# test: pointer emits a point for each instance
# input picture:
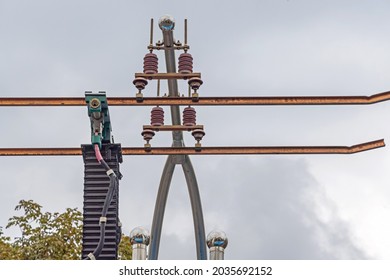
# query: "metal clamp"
(102, 220)
(91, 257)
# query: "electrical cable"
(112, 190)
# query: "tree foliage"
(124, 248)
(7, 250)
(47, 236)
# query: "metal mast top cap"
(217, 238)
(166, 23)
(139, 235)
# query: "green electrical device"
(99, 116)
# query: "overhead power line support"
(166, 178)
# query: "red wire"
(97, 153)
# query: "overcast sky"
(271, 207)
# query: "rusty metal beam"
(166, 76)
(172, 127)
(40, 152)
(205, 150)
(203, 101)
(42, 101)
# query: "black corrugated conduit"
(112, 190)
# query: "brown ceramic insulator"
(157, 116)
(150, 63)
(198, 134)
(185, 63)
(147, 134)
(140, 83)
(195, 83)
(189, 116)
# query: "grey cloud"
(271, 213)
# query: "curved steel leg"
(196, 206)
(159, 208)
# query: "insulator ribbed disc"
(189, 116)
(150, 63)
(185, 63)
(157, 116)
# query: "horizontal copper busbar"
(202, 101)
(204, 151)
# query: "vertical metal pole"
(185, 32)
(217, 253)
(151, 32)
(139, 252)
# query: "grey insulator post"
(217, 242)
(139, 238)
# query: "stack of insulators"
(185, 63)
(189, 116)
(157, 116)
(150, 63)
